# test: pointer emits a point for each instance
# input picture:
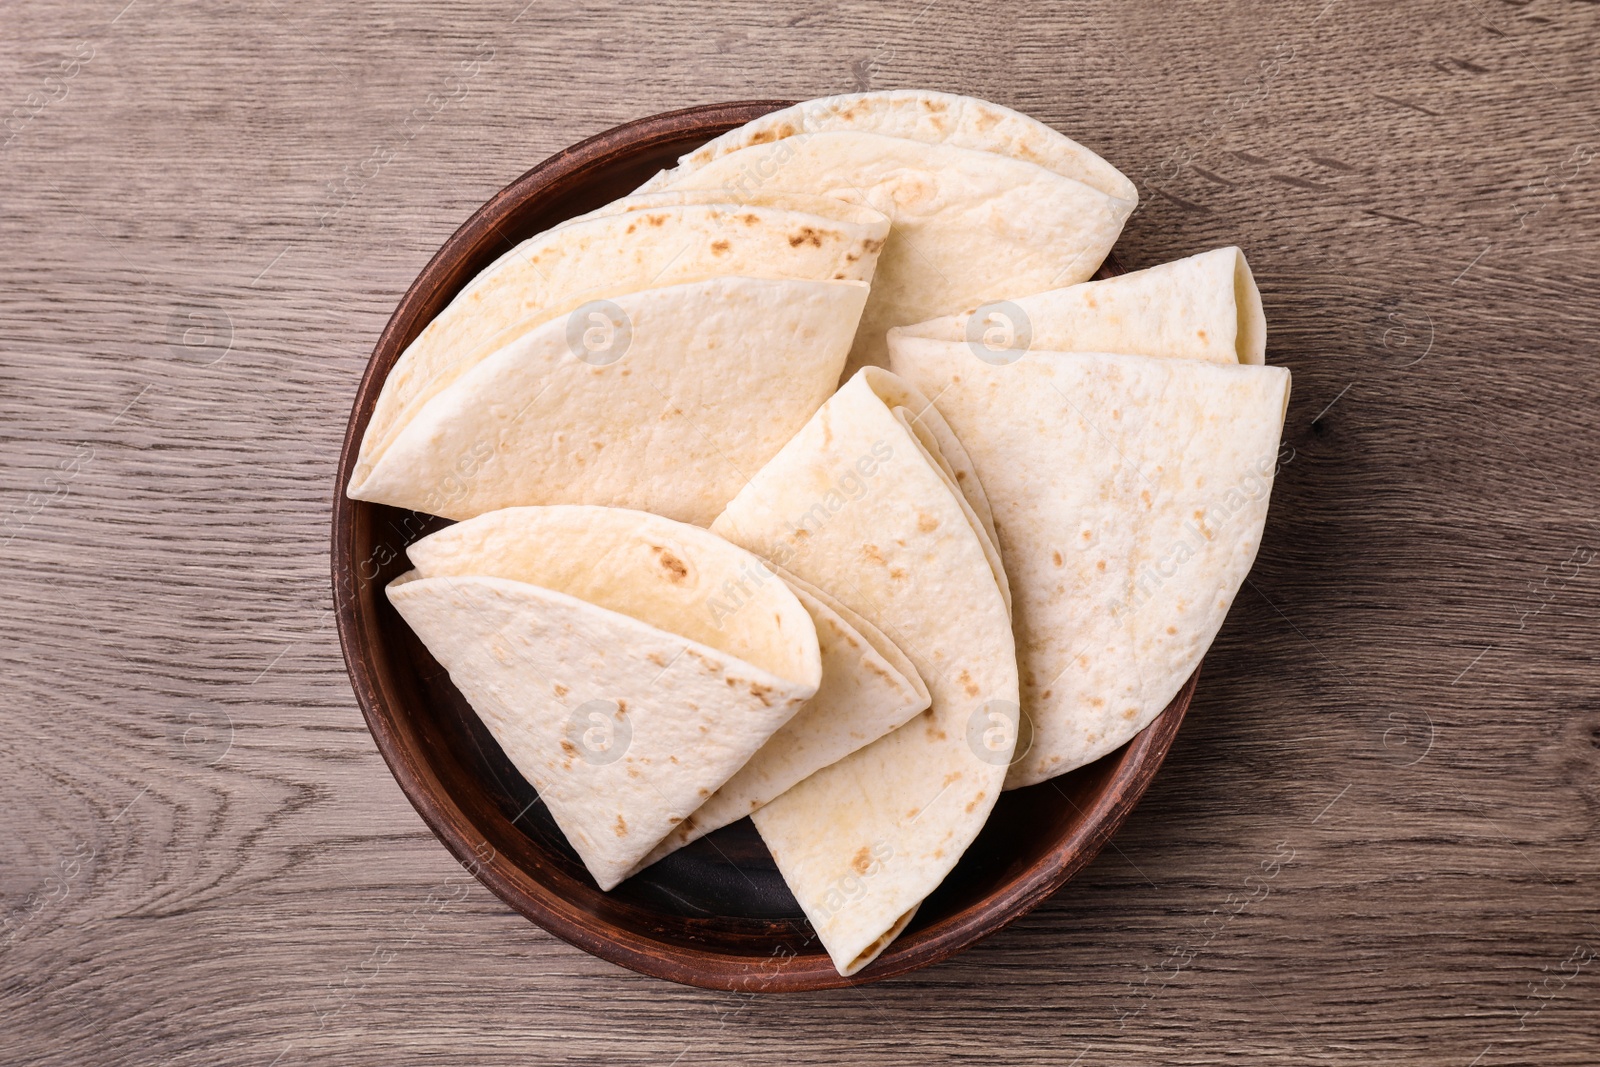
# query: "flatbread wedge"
(968, 225)
(1129, 494)
(1205, 306)
(631, 244)
(857, 504)
(702, 383)
(582, 639)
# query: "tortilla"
(918, 115)
(1203, 307)
(968, 225)
(581, 637)
(857, 505)
(694, 387)
(632, 244)
(868, 688)
(1129, 493)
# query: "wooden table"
(1376, 838)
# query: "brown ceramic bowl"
(715, 914)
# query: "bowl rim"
(1136, 762)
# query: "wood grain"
(1375, 838)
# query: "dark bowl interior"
(715, 914)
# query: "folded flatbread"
(858, 504)
(918, 115)
(634, 243)
(582, 638)
(1203, 307)
(1129, 494)
(694, 387)
(968, 225)
(868, 688)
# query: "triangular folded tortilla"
(1203, 307)
(918, 115)
(868, 688)
(969, 225)
(706, 381)
(857, 504)
(631, 244)
(582, 638)
(1129, 493)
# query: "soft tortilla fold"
(1129, 493)
(918, 115)
(581, 637)
(868, 688)
(1205, 307)
(858, 504)
(968, 225)
(632, 244)
(712, 377)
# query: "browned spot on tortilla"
(676, 569)
(975, 802)
(928, 712)
(851, 257)
(937, 735)
(897, 573)
(632, 226)
(1172, 629)
(561, 690)
(633, 772)
(1045, 695)
(873, 245)
(1145, 496)
(862, 860)
(969, 685)
(1200, 514)
(952, 777)
(935, 106)
(1200, 334)
(1097, 702)
(786, 129)
(622, 708)
(806, 235)
(763, 136)
(1130, 713)
(622, 827)
(1100, 566)
(760, 693)
(705, 792)
(872, 553)
(926, 523)
(656, 220)
(657, 658)
(719, 247)
(750, 219)
(1056, 556)
(568, 747)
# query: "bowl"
(715, 914)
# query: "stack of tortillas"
(698, 578)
